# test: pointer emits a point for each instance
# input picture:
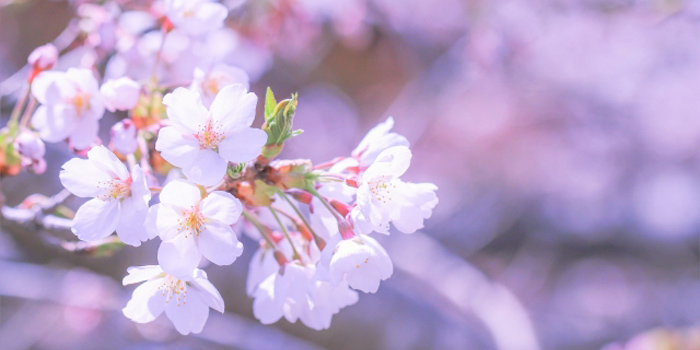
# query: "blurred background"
(563, 136)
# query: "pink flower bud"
(124, 137)
(300, 195)
(29, 145)
(120, 94)
(43, 57)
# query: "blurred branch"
(465, 288)
(36, 218)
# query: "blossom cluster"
(186, 138)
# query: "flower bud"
(43, 57)
(279, 118)
(300, 195)
(29, 145)
(123, 137)
(120, 94)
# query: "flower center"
(211, 85)
(381, 189)
(114, 189)
(191, 221)
(209, 135)
(81, 102)
(173, 287)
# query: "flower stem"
(18, 107)
(24, 122)
(295, 254)
(258, 225)
(303, 219)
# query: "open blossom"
(120, 94)
(71, 106)
(186, 299)
(209, 83)
(361, 262)
(383, 198)
(295, 294)
(196, 17)
(202, 141)
(120, 199)
(377, 140)
(191, 227)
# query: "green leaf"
(270, 104)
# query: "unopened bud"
(43, 57)
(300, 195)
(342, 208)
(123, 137)
(281, 259)
(345, 229)
(29, 145)
(120, 94)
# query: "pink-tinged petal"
(131, 229)
(96, 219)
(57, 122)
(219, 244)
(377, 140)
(181, 193)
(138, 274)
(48, 80)
(84, 135)
(391, 163)
(104, 159)
(82, 178)
(84, 79)
(178, 148)
(210, 295)
(208, 169)
(242, 145)
(221, 206)
(185, 109)
(190, 317)
(146, 304)
(234, 107)
(179, 256)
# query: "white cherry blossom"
(186, 299)
(120, 94)
(377, 140)
(71, 106)
(191, 227)
(383, 198)
(283, 294)
(120, 198)
(209, 83)
(202, 141)
(196, 17)
(123, 137)
(361, 262)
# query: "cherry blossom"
(43, 57)
(191, 227)
(360, 261)
(120, 198)
(196, 17)
(123, 137)
(202, 141)
(31, 149)
(377, 140)
(120, 94)
(209, 83)
(383, 198)
(71, 106)
(186, 299)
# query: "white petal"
(181, 193)
(219, 244)
(207, 169)
(243, 145)
(43, 83)
(266, 308)
(176, 147)
(185, 108)
(81, 177)
(139, 188)
(96, 219)
(190, 316)
(234, 107)
(162, 220)
(146, 304)
(55, 122)
(418, 201)
(84, 79)
(179, 256)
(131, 228)
(104, 159)
(221, 206)
(208, 292)
(391, 163)
(138, 274)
